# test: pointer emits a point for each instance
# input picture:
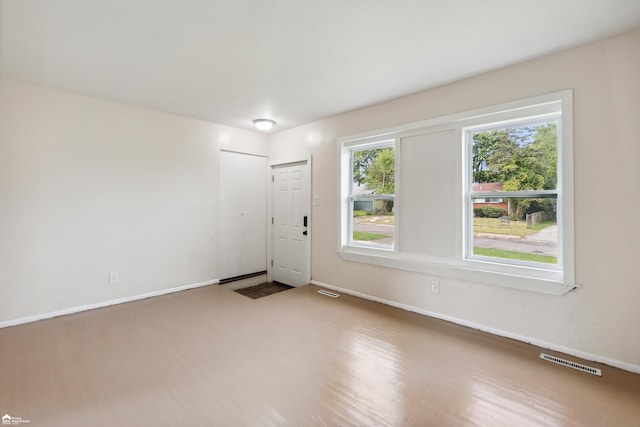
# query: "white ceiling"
(295, 61)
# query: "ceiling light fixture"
(264, 124)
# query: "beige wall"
(89, 186)
(602, 317)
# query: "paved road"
(374, 228)
(368, 227)
(519, 245)
(544, 242)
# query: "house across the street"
(497, 202)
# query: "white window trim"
(528, 278)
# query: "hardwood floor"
(212, 357)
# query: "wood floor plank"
(210, 356)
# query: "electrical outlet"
(435, 287)
(113, 277)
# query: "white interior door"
(243, 212)
(291, 224)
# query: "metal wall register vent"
(569, 364)
(327, 293)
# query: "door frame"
(270, 209)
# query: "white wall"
(601, 318)
(89, 186)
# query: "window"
(372, 195)
(483, 196)
(492, 200)
(518, 159)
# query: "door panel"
(290, 243)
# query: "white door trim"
(270, 213)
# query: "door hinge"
(272, 178)
(271, 263)
(271, 220)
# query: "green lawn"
(523, 256)
(364, 236)
(512, 228)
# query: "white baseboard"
(539, 343)
(71, 310)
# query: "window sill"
(522, 278)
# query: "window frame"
(370, 145)
(470, 195)
(523, 277)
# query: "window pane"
(373, 221)
(529, 233)
(516, 159)
(373, 172)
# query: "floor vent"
(327, 293)
(573, 365)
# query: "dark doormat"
(263, 290)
